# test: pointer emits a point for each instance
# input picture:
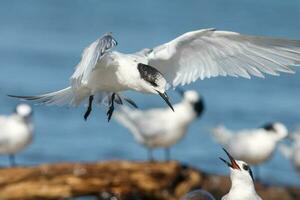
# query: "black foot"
(89, 109)
(111, 107)
(167, 154)
(12, 161)
(131, 102)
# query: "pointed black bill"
(232, 162)
(225, 161)
(166, 99)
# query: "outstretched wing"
(209, 53)
(90, 57)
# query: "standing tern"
(102, 73)
(254, 146)
(160, 127)
(292, 152)
(242, 186)
(16, 131)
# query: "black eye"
(246, 167)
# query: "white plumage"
(194, 55)
(160, 127)
(16, 131)
(292, 152)
(242, 186)
(254, 146)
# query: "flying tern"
(102, 74)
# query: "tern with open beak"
(254, 146)
(242, 186)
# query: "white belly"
(114, 73)
(105, 79)
(17, 137)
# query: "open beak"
(232, 164)
(166, 99)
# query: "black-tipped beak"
(166, 99)
(232, 162)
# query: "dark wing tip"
(24, 97)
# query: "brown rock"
(122, 179)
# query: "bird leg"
(167, 154)
(12, 160)
(150, 155)
(131, 102)
(111, 107)
(89, 109)
(118, 100)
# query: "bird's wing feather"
(209, 53)
(91, 55)
(222, 135)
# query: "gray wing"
(209, 53)
(91, 56)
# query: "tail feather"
(222, 135)
(62, 97)
(124, 117)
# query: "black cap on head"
(199, 107)
(149, 74)
(269, 127)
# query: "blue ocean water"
(41, 42)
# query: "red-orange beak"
(232, 162)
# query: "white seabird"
(241, 176)
(161, 127)
(103, 73)
(16, 131)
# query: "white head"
(154, 81)
(23, 110)
(277, 129)
(194, 99)
(240, 171)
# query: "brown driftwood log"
(123, 179)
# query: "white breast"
(14, 135)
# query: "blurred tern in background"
(102, 73)
(254, 146)
(160, 127)
(292, 152)
(242, 186)
(16, 131)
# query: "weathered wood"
(123, 179)
(126, 180)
